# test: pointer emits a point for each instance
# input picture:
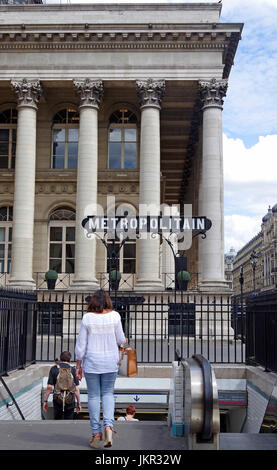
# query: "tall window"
(65, 134)
(126, 257)
(62, 240)
(8, 123)
(6, 217)
(123, 140)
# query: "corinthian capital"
(212, 92)
(150, 92)
(90, 92)
(28, 92)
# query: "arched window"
(123, 140)
(62, 240)
(65, 134)
(8, 123)
(6, 217)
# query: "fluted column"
(28, 94)
(90, 93)
(211, 196)
(150, 93)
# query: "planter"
(183, 279)
(114, 285)
(183, 285)
(51, 283)
(51, 277)
(114, 278)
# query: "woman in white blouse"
(97, 354)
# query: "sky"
(249, 117)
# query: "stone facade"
(263, 246)
(71, 70)
(228, 266)
(243, 260)
(269, 249)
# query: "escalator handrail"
(206, 433)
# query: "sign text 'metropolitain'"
(140, 224)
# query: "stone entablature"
(147, 27)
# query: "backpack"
(64, 391)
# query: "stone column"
(28, 94)
(90, 93)
(150, 94)
(211, 197)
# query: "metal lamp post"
(241, 281)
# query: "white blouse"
(98, 340)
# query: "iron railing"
(38, 327)
(18, 329)
(127, 282)
(156, 325)
(261, 330)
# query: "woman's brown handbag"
(128, 362)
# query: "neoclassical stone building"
(110, 102)
(264, 246)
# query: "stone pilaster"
(28, 95)
(150, 93)
(90, 93)
(211, 195)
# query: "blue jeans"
(100, 385)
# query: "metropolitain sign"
(145, 224)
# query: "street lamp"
(241, 281)
(254, 261)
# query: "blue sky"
(249, 116)
(249, 121)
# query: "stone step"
(141, 436)
(75, 435)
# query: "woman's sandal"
(95, 440)
(108, 442)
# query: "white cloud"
(249, 187)
(239, 229)
(250, 105)
(255, 164)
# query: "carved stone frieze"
(6, 188)
(55, 188)
(28, 92)
(90, 92)
(212, 92)
(116, 188)
(150, 92)
(70, 188)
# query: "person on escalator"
(130, 413)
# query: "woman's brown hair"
(130, 410)
(99, 301)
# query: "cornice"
(18, 36)
(111, 45)
(194, 39)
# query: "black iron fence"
(261, 330)
(156, 325)
(38, 327)
(18, 329)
